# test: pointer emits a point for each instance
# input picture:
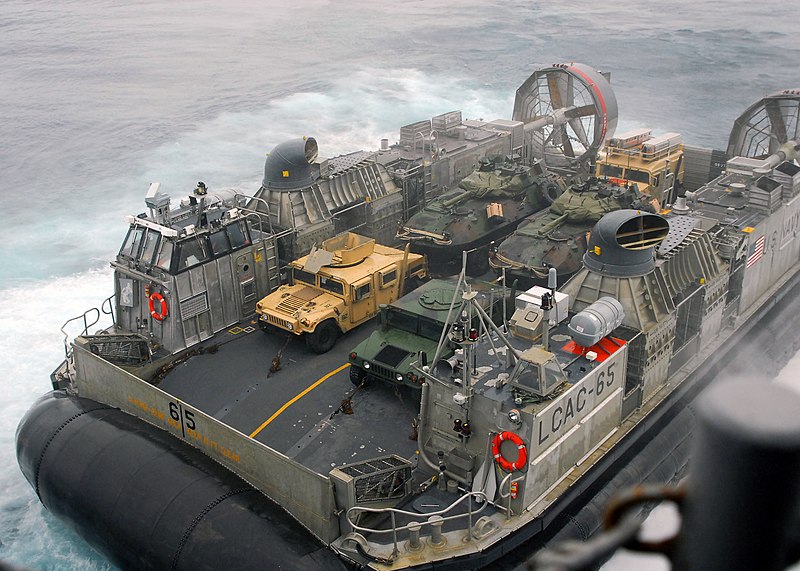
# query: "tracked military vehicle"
(487, 205)
(556, 238)
(568, 112)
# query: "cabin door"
(363, 306)
(246, 278)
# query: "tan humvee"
(655, 164)
(338, 287)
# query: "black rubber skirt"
(149, 501)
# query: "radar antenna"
(568, 110)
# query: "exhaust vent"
(622, 243)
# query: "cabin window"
(402, 321)
(388, 278)
(430, 329)
(301, 276)
(552, 375)
(237, 236)
(331, 285)
(219, 243)
(638, 176)
(610, 170)
(529, 376)
(362, 291)
(164, 255)
(656, 180)
(130, 249)
(191, 252)
(149, 247)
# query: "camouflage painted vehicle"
(487, 206)
(557, 237)
(413, 325)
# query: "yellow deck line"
(297, 398)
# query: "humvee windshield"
(610, 170)
(427, 328)
(302, 276)
(638, 176)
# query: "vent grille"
(274, 320)
(290, 304)
(194, 306)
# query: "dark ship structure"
(182, 438)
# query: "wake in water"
(230, 145)
(30, 348)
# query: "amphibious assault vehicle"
(487, 205)
(557, 237)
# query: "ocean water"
(98, 98)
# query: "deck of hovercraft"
(308, 410)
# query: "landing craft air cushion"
(168, 443)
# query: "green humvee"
(413, 325)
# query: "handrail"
(508, 495)
(106, 308)
(247, 209)
(110, 311)
(86, 326)
(394, 512)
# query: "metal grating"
(380, 371)
(120, 349)
(379, 479)
(290, 304)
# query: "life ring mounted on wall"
(157, 298)
(522, 452)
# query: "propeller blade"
(568, 150)
(570, 93)
(577, 126)
(555, 92)
(583, 111)
(549, 137)
(773, 109)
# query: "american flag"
(758, 251)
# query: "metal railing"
(435, 519)
(507, 495)
(106, 308)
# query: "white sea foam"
(31, 346)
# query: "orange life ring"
(522, 455)
(162, 310)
